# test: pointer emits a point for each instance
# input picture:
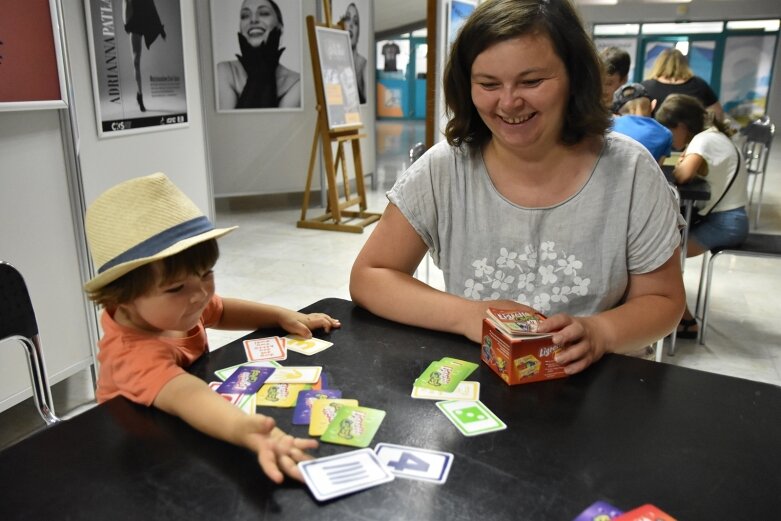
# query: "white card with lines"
(345, 473)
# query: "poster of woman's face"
(256, 46)
(357, 18)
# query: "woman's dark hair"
(682, 108)
(195, 259)
(278, 12)
(501, 20)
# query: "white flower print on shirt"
(534, 277)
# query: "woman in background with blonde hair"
(671, 75)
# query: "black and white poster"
(137, 65)
(356, 17)
(256, 46)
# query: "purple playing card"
(245, 380)
(599, 511)
(303, 411)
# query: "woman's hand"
(261, 64)
(302, 324)
(579, 338)
(474, 329)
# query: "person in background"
(257, 79)
(530, 203)
(708, 152)
(616, 63)
(141, 21)
(154, 251)
(671, 75)
(634, 108)
(352, 24)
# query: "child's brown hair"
(195, 259)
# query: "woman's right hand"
(260, 64)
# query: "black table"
(627, 431)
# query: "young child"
(634, 106)
(154, 252)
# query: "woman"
(710, 153)
(257, 79)
(141, 21)
(529, 203)
(352, 24)
(672, 75)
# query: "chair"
(17, 322)
(756, 245)
(756, 151)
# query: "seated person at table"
(634, 109)
(710, 153)
(615, 64)
(154, 252)
(530, 203)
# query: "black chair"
(17, 322)
(756, 151)
(756, 245)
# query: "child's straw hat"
(140, 221)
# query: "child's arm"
(193, 401)
(243, 314)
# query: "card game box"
(519, 359)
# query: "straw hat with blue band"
(141, 221)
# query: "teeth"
(515, 121)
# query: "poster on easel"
(356, 17)
(338, 75)
(137, 63)
(31, 67)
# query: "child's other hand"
(278, 453)
(302, 324)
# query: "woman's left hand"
(302, 324)
(579, 338)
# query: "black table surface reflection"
(626, 431)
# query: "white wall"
(268, 152)
(37, 230)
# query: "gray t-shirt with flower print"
(574, 257)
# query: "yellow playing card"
(323, 411)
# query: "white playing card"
(465, 391)
(264, 349)
(335, 476)
(306, 346)
(415, 463)
(295, 375)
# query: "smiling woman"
(257, 79)
(531, 202)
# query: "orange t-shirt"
(137, 365)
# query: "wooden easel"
(337, 216)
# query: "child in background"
(632, 103)
(154, 252)
(615, 71)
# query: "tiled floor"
(269, 259)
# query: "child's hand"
(302, 325)
(278, 453)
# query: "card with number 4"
(471, 417)
(415, 463)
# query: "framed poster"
(340, 87)
(458, 13)
(356, 15)
(257, 53)
(31, 66)
(137, 59)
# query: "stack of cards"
(445, 375)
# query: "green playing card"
(355, 426)
(445, 375)
(471, 417)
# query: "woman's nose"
(510, 98)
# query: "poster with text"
(31, 69)
(338, 75)
(137, 58)
(256, 47)
(356, 17)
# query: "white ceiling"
(390, 14)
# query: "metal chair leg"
(706, 298)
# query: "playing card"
(471, 417)
(306, 346)
(233, 398)
(599, 511)
(465, 391)
(323, 411)
(354, 426)
(280, 395)
(645, 513)
(303, 411)
(222, 374)
(246, 380)
(295, 375)
(264, 349)
(334, 476)
(445, 375)
(415, 463)
(248, 403)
